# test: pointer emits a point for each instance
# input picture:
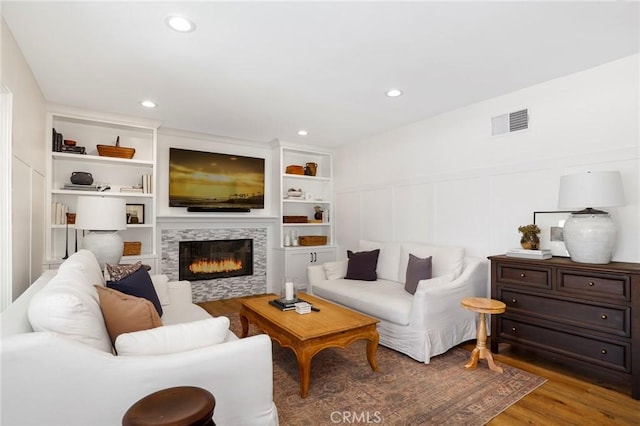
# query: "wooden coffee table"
(310, 333)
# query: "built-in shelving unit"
(291, 259)
(115, 173)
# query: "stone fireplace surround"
(221, 288)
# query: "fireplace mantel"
(207, 218)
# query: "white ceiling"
(261, 70)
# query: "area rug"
(344, 389)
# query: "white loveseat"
(55, 378)
(420, 325)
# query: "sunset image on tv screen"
(207, 179)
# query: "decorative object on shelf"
(312, 240)
(81, 178)
(103, 217)
(294, 219)
(135, 214)
(69, 142)
(132, 248)
(318, 213)
(551, 226)
(294, 170)
(287, 239)
(590, 234)
(66, 234)
(311, 169)
(65, 145)
(530, 239)
(116, 151)
(294, 238)
(294, 193)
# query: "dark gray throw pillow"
(417, 269)
(138, 284)
(362, 265)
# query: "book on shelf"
(529, 254)
(131, 189)
(146, 184)
(59, 213)
(76, 187)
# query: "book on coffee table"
(284, 304)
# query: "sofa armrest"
(180, 292)
(441, 302)
(69, 377)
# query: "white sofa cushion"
(86, 262)
(445, 260)
(173, 338)
(388, 259)
(335, 270)
(161, 284)
(381, 299)
(69, 306)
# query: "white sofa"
(420, 325)
(55, 378)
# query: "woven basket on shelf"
(132, 248)
(312, 240)
(294, 219)
(116, 151)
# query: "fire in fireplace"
(206, 260)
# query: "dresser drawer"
(595, 286)
(523, 275)
(616, 321)
(616, 356)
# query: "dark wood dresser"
(583, 315)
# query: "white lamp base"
(107, 246)
(590, 238)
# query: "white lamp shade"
(101, 213)
(591, 189)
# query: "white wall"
(27, 164)
(445, 180)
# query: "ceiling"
(263, 70)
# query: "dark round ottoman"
(179, 406)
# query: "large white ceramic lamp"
(103, 217)
(590, 234)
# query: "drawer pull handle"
(522, 275)
(513, 329)
(514, 300)
(603, 316)
(603, 351)
(591, 283)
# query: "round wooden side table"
(179, 406)
(482, 306)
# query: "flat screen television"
(209, 180)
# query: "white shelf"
(81, 158)
(305, 177)
(101, 193)
(303, 201)
(287, 225)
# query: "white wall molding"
(6, 108)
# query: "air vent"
(512, 122)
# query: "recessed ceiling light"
(394, 93)
(148, 104)
(303, 132)
(180, 24)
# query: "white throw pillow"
(335, 270)
(174, 338)
(161, 284)
(444, 260)
(66, 305)
(388, 259)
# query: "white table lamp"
(590, 234)
(103, 217)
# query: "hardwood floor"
(565, 399)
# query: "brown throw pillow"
(124, 314)
(362, 265)
(118, 272)
(417, 269)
